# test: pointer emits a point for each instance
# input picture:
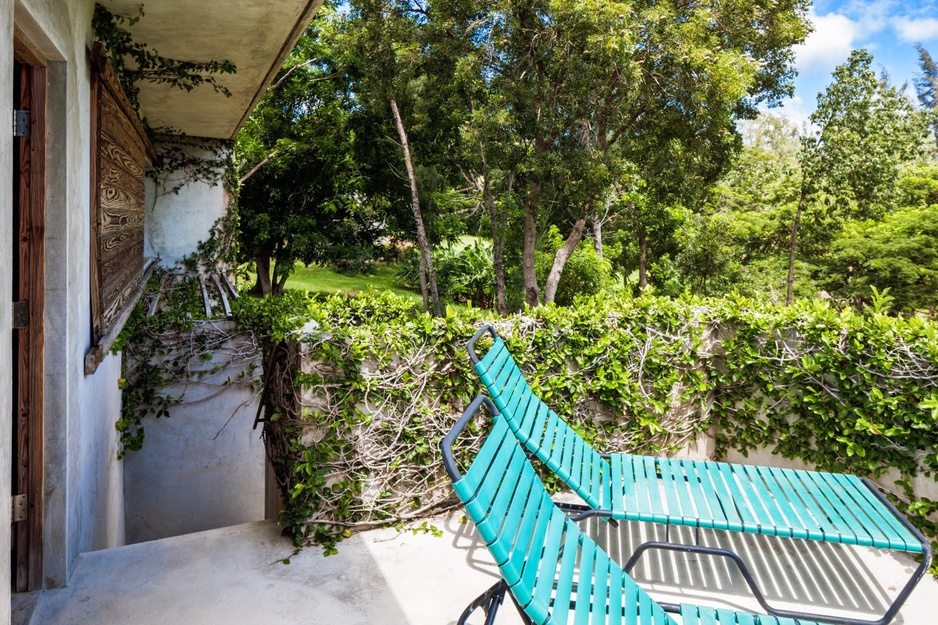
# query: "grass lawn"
(326, 280)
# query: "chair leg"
(489, 601)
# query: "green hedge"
(846, 390)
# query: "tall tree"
(595, 89)
(383, 42)
(926, 86)
(866, 129)
(300, 197)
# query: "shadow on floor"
(800, 575)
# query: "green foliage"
(899, 253)
(464, 274)
(302, 195)
(867, 130)
(831, 387)
(849, 391)
(918, 186)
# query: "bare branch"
(258, 166)
(289, 72)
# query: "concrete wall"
(6, 286)
(203, 467)
(176, 222)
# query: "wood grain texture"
(36, 292)
(97, 353)
(20, 531)
(29, 287)
(120, 150)
(102, 67)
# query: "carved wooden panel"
(119, 156)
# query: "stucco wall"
(203, 467)
(180, 214)
(6, 249)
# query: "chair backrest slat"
(496, 357)
(556, 573)
(540, 429)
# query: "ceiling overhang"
(255, 35)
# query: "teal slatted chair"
(791, 503)
(554, 573)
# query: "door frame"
(29, 286)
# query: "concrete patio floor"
(235, 576)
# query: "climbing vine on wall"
(166, 352)
(356, 429)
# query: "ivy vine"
(177, 346)
(165, 353)
(357, 424)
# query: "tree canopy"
(592, 144)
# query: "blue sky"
(889, 29)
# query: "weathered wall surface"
(203, 467)
(177, 221)
(6, 334)
(99, 497)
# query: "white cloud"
(913, 30)
(872, 17)
(833, 38)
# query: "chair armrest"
(475, 337)
(446, 445)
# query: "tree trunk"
(794, 244)
(422, 240)
(642, 258)
(498, 236)
(560, 260)
(642, 247)
(422, 272)
(531, 295)
(280, 283)
(598, 238)
(262, 286)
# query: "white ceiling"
(255, 35)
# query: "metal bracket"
(21, 122)
(19, 508)
(20, 315)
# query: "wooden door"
(28, 289)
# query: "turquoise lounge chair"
(809, 505)
(553, 572)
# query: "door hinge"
(20, 315)
(20, 504)
(21, 121)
